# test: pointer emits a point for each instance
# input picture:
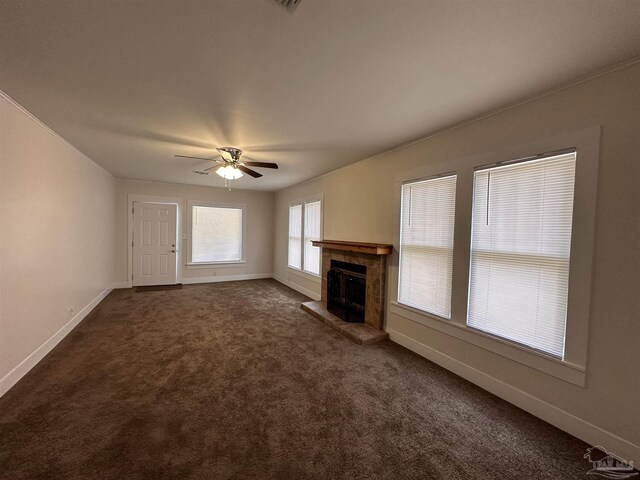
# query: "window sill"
(200, 265)
(312, 277)
(552, 366)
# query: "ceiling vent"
(290, 5)
(199, 172)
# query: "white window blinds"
(521, 237)
(216, 234)
(312, 219)
(295, 236)
(426, 244)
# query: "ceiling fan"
(230, 167)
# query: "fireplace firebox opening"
(347, 290)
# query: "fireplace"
(347, 290)
(352, 289)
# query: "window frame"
(194, 203)
(572, 368)
(301, 202)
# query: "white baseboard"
(11, 378)
(210, 279)
(592, 434)
(298, 288)
(225, 278)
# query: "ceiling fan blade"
(251, 163)
(196, 158)
(248, 171)
(216, 160)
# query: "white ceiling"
(130, 83)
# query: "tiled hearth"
(373, 257)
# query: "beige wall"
(259, 225)
(56, 237)
(360, 204)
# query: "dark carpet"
(234, 381)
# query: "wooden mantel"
(359, 247)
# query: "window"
(522, 256)
(305, 225)
(520, 246)
(295, 236)
(312, 219)
(426, 244)
(216, 234)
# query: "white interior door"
(154, 243)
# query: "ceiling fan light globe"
(228, 172)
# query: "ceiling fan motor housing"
(233, 151)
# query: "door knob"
(173, 251)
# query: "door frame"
(179, 202)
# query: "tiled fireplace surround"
(373, 256)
